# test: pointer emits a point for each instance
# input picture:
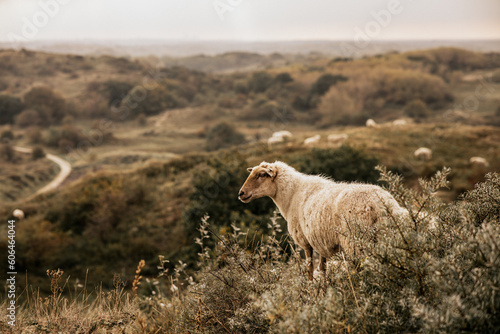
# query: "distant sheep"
(479, 161)
(399, 122)
(279, 137)
(311, 141)
(318, 210)
(274, 140)
(423, 153)
(337, 139)
(371, 123)
(18, 213)
(284, 134)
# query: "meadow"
(158, 148)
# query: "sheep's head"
(260, 183)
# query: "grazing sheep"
(399, 122)
(311, 141)
(318, 210)
(284, 134)
(279, 137)
(337, 139)
(19, 214)
(423, 153)
(274, 140)
(480, 161)
(370, 123)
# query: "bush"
(342, 164)
(50, 105)
(7, 152)
(148, 102)
(37, 153)
(28, 118)
(223, 135)
(432, 271)
(283, 78)
(417, 109)
(7, 135)
(116, 91)
(260, 82)
(10, 107)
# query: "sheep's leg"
(309, 260)
(322, 264)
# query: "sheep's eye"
(262, 175)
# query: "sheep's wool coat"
(319, 211)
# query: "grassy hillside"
(155, 147)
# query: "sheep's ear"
(271, 172)
(249, 169)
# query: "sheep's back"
(329, 213)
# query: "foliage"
(429, 271)
(28, 118)
(50, 105)
(148, 102)
(417, 109)
(283, 78)
(260, 82)
(223, 135)
(116, 91)
(38, 153)
(10, 107)
(7, 153)
(342, 164)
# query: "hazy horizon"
(240, 20)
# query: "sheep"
(370, 123)
(18, 213)
(274, 140)
(279, 137)
(399, 122)
(423, 153)
(337, 139)
(311, 141)
(317, 209)
(284, 134)
(480, 161)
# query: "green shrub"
(10, 107)
(223, 135)
(432, 271)
(116, 91)
(50, 105)
(260, 82)
(37, 153)
(283, 78)
(7, 152)
(342, 164)
(417, 109)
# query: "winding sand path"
(56, 182)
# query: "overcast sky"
(249, 19)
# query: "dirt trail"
(56, 182)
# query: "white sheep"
(337, 139)
(311, 141)
(370, 123)
(480, 161)
(275, 140)
(18, 213)
(279, 137)
(318, 210)
(283, 133)
(399, 122)
(423, 153)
